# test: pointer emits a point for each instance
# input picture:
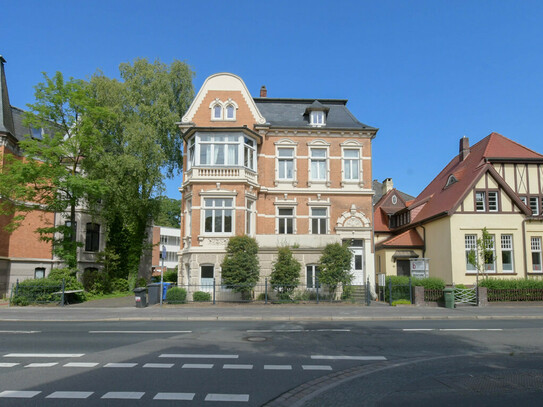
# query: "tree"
(51, 176)
(285, 273)
(240, 267)
(169, 212)
(335, 266)
(484, 253)
(140, 140)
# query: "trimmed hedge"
(176, 295)
(200, 296)
(430, 283)
(511, 284)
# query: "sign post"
(162, 274)
(419, 267)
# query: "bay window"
(221, 149)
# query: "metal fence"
(521, 294)
(394, 292)
(37, 292)
(266, 292)
(433, 295)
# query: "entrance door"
(357, 262)
(403, 268)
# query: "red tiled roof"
(385, 207)
(441, 200)
(409, 238)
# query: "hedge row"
(511, 284)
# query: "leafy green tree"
(484, 254)
(140, 140)
(169, 212)
(240, 267)
(51, 176)
(335, 266)
(285, 275)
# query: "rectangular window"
(536, 254)
(249, 153)
(351, 165)
(249, 218)
(490, 257)
(206, 278)
(534, 205)
(318, 221)
(480, 204)
(507, 253)
(492, 201)
(71, 233)
(191, 154)
(188, 221)
(316, 118)
(92, 238)
(39, 272)
(218, 215)
(312, 276)
(524, 200)
(286, 221)
(286, 163)
(318, 164)
(470, 246)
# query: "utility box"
(141, 297)
(448, 293)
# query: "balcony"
(218, 174)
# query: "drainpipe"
(525, 248)
(423, 241)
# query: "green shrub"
(170, 276)
(41, 290)
(430, 283)
(285, 273)
(96, 281)
(176, 295)
(119, 284)
(348, 292)
(401, 302)
(141, 282)
(200, 296)
(511, 284)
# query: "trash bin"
(448, 293)
(141, 298)
(165, 288)
(153, 291)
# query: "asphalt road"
(491, 362)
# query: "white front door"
(357, 265)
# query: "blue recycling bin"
(165, 287)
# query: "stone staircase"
(359, 294)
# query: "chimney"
(263, 92)
(464, 148)
(387, 185)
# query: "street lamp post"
(162, 275)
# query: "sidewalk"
(123, 309)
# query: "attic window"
(451, 180)
(217, 112)
(37, 133)
(394, 199)
(316, 118)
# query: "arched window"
(230, 112)
(217, 112)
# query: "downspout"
(423, 241)
(525, 248)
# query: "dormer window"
(451, 180)
(317, 118)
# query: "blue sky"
(425, 73)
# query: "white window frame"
(317, 118)
(534, 208)
(311, 273)
(284, 219)
(216, 107)
(535, 246)
(470, 243)
(197, 143)
(321, 164)
(491, 268)
(321, 230)
(351, 146)
(214, 216)
(480, 201)
(282, 164)
(493, 201)
(39, 273)
(507, 247)
(250, 217)
(188, 221)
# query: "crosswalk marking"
(44, 355)
(132, 395)
(8, 364)
(337, 357)
(50, 364)
(159, 365)
(81, 364)
(122, 365)
(316, 367)
(234, 366)
(197, 366)
(197, 356)
(277, 367)
(69, 395)
(227, 397)
(19, 394)
(174, 396)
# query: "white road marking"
(197, 356)
(81, 364)
(417, 329)
(69, 395)
(227, 397)
(51, 364)
(468, 329)
(277, 367)
(8, 364)
(295, 330)
(174, 396)
(44, 355)
(159, 365)
(316, 367)
(120, 364)
(333, 357)
(132, 395)
(19, 394)
(140, 332)
(233, 366)
(20, 332)
(197, 366)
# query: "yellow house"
(495, 184)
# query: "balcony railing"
(218, 173)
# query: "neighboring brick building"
(22, 254)
(293, 172)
